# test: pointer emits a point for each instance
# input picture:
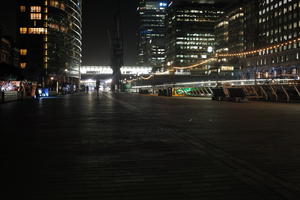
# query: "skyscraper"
(190, 34)
(230, 39)
(49, 38)
(152, 33)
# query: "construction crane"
(116, 49)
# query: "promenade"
(134, 147)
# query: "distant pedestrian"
(22, 91)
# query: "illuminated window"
(23, 30)
(22, 9)
(23, 65)
(54, 3)
(35, 16)
(62, 6)
(35, 8)
(36, 31)
(227, 68)
(23, 52)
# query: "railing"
(277, 90)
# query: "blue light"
(163, 4)
(146, 32)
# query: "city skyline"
(183, 99)
(95, 39)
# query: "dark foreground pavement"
(131, 147)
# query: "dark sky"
(97, 19)
(7, 17)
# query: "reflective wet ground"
(126, 146)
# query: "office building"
(152, 32)
(277, 50)
(230, 38)
(49, 38)
(190, 34)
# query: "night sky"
(97, 19)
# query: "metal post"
(265, 93)
(286, 93)
(297, 90)
(255, 77)
(274, 92)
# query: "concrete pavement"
(127, 146)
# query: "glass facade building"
(230, 38)
(190, 34)
(49, 38)
(152, 32)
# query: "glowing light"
(210, 49)
(163, 4)
(197, 64)
(108, 81)
(147, 77)
(215, 58)
(258, 50)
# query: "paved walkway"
(127, 147)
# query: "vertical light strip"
(46, 35)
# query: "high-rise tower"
(49, 38)
(152, 32)
(191, 35)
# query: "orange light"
(23, 65)
(23, 52)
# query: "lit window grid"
(42, 28)
(37, 31)
(285, 13)
(35, 16)
(35, 9)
